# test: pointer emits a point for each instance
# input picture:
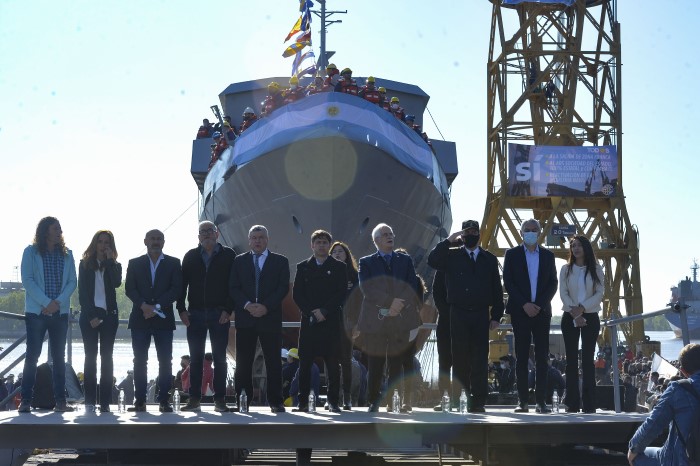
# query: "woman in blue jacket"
(49, 279)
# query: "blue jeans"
(649, 457)
(37, 325)
(202, 321)
(140, 343)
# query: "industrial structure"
(554, 80)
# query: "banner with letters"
(578, 171)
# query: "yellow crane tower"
(555, 138)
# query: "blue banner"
(577, 171)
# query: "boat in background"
(687, 291)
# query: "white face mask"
(503, 365)
(335, 78)
(394, 106)
(294, 86)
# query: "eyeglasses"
(208, 231)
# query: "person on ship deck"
(274, 99)
(370, 93)
(249, 117)
(206, 130)
(347, 84)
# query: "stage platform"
(499, 428)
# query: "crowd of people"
(335, 81)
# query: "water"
(123, 357)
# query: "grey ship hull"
(329, 183)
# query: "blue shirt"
(53, 272)
(533, 265)
(208, 257)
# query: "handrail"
(613, 323)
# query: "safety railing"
(613, 325)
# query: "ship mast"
(695, 268)
(325, 22)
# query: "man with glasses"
(206, 270)
(389, 310)
(530, 278)
(475, 299)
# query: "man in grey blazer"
(153, 283)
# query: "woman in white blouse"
(99, 276)
(581, 289)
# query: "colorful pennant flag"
(294, 48)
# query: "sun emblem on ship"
(608, 189)
(333, 110)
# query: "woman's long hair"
(349, 258)
(90, 254)
(589, 259)
(42, 232)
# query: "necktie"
(471, 256)
(257, 275)
(387, 259)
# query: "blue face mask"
(530, 238)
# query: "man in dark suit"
(530, 278)
(258, 284)
(475, 297)
(320, 286)
(153, 283)
(389, 310)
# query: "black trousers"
(103, 334)
(589, 336)
(271, 343)
(470, 353)
(444, 349)
(318, 340)
(536, 330)
(386, 345)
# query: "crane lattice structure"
(554, 80)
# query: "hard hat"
(293, 80)
(273, 85)
(346, 71)
(331, 66)
(226, 123)
(370, 79)
(294, 352)
(382, 90)
(248, 110)
(216, 135)
(394, 99)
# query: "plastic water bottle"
(312, 402)
(396, 402)
(176, 401)
(556, 402)
(120, 406)
(243, 403)
(463, 403)
(445, 402)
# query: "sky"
(99, 103)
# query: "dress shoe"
(193, 405)
(220, 406)
(406, 408)
(301, 409)
(543, 409)
(572, 410)
(522, 408)
(589, 411)
(25, 407)
(437, 408)
(347, 406)
(165, 407)
(278, 409)
(373, 408)
(333, 408)
(62, 407)
(105, 409)
(477, 409)
(139, 407)
(234, 409)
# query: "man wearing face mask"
(475, 297)
(295, 92)
(530, 278)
